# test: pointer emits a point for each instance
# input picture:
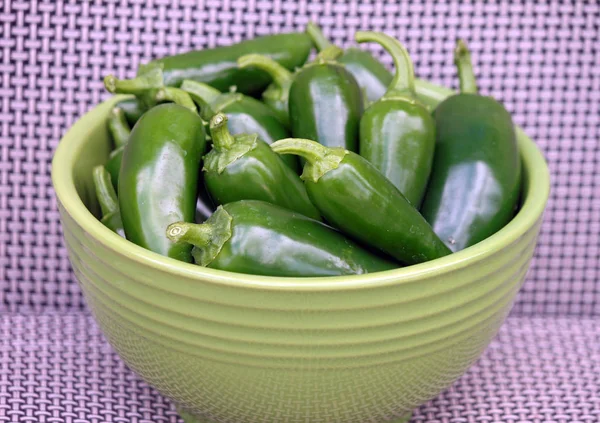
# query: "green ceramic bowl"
(227, 347)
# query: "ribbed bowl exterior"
(238, 348)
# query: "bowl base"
(188, 418)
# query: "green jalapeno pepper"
(159, 176)
(277, 94)
(204, 205)
(259, 238)
(246, 114)
(118, 127)
(218, 68)
(397, 133)
(150, 91)
(120, 131)
(245, 168)
(107, 198)
(475, 182)
(325, 103)
(355, 197)
(371, 75)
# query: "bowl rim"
(74, 141)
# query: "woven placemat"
(57, 368)
(541, 60)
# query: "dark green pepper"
(246, 114)
(118, 127)
(159, 176)
(371, 75)
(397, 133)
(218, 68)
(277, 94)
(353, 196)
(326, 103)
(119, 130)
(476, 178)
(245, 168)
(149, 91)
(259, 238)
(107, 197)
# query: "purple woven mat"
(58, 368)
(542, 60)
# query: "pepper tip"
(161, 95)
(461, 50)
(117, 111)
(175, 231)
(218, 120)
(110, 83)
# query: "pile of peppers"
(248, 159)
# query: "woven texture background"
(541, 60)
(58, 368)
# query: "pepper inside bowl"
(231, 347)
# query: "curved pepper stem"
(280, 75)
(176, 96)
(328, 54)
(311, 151)
(462, 60)
(319, 159)
(197, 234)
(404, 79)
(316, 35)
(221, 137)
(118, 127)
(151, 79)
(201, 93)
(105, 192)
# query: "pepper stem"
(202, 94)
(311, 151)
(316, 35)
(177, 96)
(404, 79)
(151, 79)
(462, 60)
(328, 54)
(105, 192)
(279, 74)
(118, 127)
(319, 159)
(196, 234)
(221, 137)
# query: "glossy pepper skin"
(259, 238)
(245, 168)
(397, 132)
(354, 197)
(149, 91)
(107, 198)
(476, 179)
(326, 103)
(246, 115)
(218, 68)
(371, 75)
(159, 175)
(277, 94)
(119, 129)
